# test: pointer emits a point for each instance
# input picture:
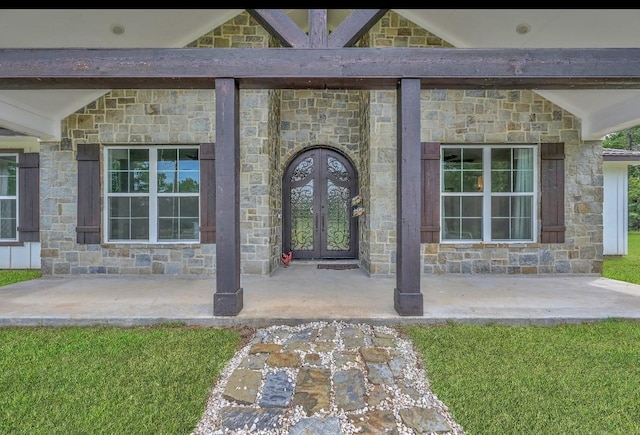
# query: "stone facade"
(482, 117)
(143, 117)
(158, 117)
(392, 30)
(520, 117)
(311, 118)
(275, 125)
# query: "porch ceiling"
(38, 112)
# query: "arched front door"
(317, 189)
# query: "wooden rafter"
(354, 27)
(281, 27)
(318, 28)
(289, 34)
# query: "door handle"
(323, 222)
(316, 221)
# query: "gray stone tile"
(277, 390)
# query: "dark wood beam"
(354, 27)
(281, 27)
(288, 33)
(318, 29)
(228, 298)
(407, 296)
(362, 68)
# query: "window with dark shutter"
(487, 193)
(88, 224)
(430, 207)
(207, 193)
(29, 197)
(552, 194)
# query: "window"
(488, 193)
(8, 197)
(152, 194)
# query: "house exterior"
(505, 183)
(616, 199)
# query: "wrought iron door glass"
(318, 190)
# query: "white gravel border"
(414, 373)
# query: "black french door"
(317, 189)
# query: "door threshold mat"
(338, 266)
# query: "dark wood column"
(407, 297)
(227, 300)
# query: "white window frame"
(152, 195)
(15, 197)
(487, 194)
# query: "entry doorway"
(318, 186)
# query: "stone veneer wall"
(364, 178)
(159, 117)
(275, 181)
(315, 117)
(392, 30)
(382, 182)
(520, 117)
(255, 182)
(259, 192)
(335, 119)
(319, 117)
(276, 125)
(484, 116)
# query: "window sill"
(151, 245)
(515, 243)
(11, 243)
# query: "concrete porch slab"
(302, 293)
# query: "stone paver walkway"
(325, 378)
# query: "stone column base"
(227, 304)
(408, 304)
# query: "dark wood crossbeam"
(355, 68)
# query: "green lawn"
(562, 379)
(496, 379)
(625, 268)
(11, 276)
(109, 380)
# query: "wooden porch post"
(407, 298)
(227, 300)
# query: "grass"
(565, 379)
(11, 276)
(569, 379)
(495, 379)
(108, 380)
(625, 268)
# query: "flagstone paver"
(313, 390)
(243, 386)
(350, 389)
(325, 378)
